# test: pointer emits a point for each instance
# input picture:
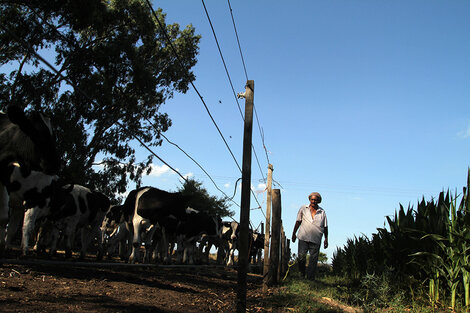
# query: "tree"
(201, 199)
(121, 68)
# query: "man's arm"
(296, 227)
(325, 232)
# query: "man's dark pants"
(313, 249)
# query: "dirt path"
(50, 286)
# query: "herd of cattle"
(54, 212)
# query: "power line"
(192, 159)
(192, 84)
(238, 41)
(244, 67)
(230, 80)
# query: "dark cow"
(196, 226)
(115, 232)
(83, 211)
(29, 141)
(155, 208)
(256, 246)
(229, 243)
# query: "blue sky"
(366, 102)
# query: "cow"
(82, 211)
(158, 210)
(34, 194)
(195, 227)
(256, 246)
(29, 141)
(115, 232)
(229, 241)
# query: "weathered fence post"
(245, 198)
(275, 238)
(281, 254)
(258, 256)
(268, 228)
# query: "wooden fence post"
(245, 199)
(275, 238)
(281, 254)
(268, 228)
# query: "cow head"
(61, 195)
(38, 128)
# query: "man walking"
(312, 224)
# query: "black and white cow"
(195, 227)
(115, 232)
(29, 141)
(229, 241)
(34, 194)
(155, 208)
(82, 212)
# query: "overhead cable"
(230, 80)
(195, 89)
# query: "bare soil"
(39, 285)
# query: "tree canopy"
(115, 68)
(203, 201)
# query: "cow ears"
(16, 115)
(28, 124)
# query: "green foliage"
(429, 244)
(119, 59)
(201, 199)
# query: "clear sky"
(366, 102)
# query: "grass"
(329, 293)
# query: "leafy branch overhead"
(119, 59)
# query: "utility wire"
(192, 84)
(192, 159)
(244, 67)
(238, 41)
(230, 81)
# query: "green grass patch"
(329, 293)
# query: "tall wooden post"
(245, 199)
(281, 254)
(275, 238)
(268, 228)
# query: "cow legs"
(86, 236)
(148, 243)
(231, 253)
(16, 216)
(4, 199)
(136, 239)
(30, 217)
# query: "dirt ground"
(58, 286)
(64, 287)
